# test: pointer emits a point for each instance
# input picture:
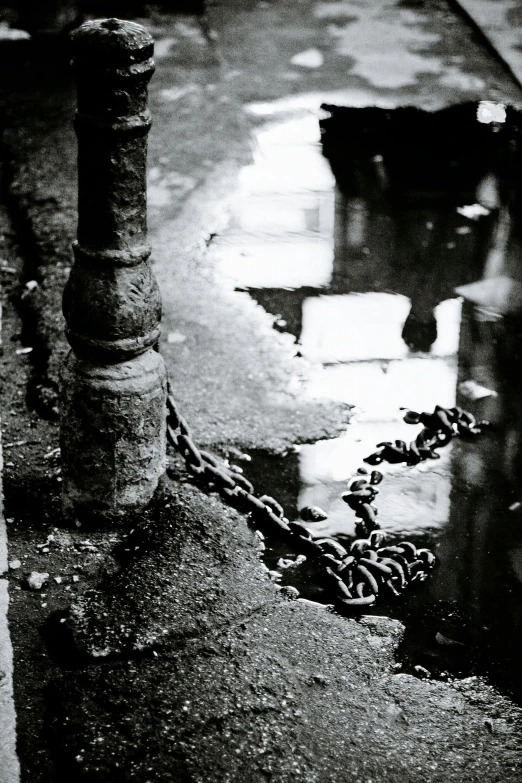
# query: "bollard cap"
(111, 42)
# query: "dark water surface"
(355, 234)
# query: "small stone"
(58, 580)
(422, 671)
(313, 514)
(287, 562)
(76, 578)
(290, 592)
(36, 580)
(320, 679)
(14, 564)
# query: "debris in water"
(441, 639)
(490, 111)
(474, 391)
(473, 211)
(312, 514)
(285, 562)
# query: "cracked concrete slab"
(196, 668)
(292, 693)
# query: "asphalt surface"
(500, 23)
(180, 660)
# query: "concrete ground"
(500, 22)
(8, 757)
(183, 662)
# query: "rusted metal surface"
(113, 381)
(353, 579)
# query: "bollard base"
(113, 436)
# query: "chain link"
(356, 578)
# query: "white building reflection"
(342, 262)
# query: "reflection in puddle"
(280, 233)
(355, 241)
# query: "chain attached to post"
(354, 579)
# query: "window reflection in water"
(357, 252)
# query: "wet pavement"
(500, 22)
(296, 266)
(360, 261)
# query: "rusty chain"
(439, 428)
(356, 577)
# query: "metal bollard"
(113, 390)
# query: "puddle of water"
(281, 225)
(355, 240)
